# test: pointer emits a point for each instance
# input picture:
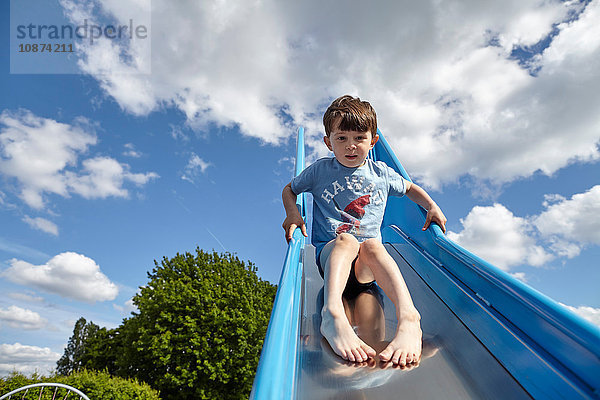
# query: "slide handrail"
(276, 373)
(572, 343)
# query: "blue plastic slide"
(486, 334)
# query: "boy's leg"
(374, 262)
(335, 325)
(368, 316)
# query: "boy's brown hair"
(353, 115)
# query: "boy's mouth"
(352, 157)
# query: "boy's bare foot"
(405, 347)
(341, 337)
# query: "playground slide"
(486, 334)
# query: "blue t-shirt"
(347, 200)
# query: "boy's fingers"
(441, 223)
(293, 227)
(427, 222)
(290, 232)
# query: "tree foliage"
(198, 332)
(74, 356)
(94, 384)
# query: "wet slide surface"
(454, 365)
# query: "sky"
(181, 133)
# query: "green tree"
(94, 384)
(201, 324)
(74, 357)
(198, 331)
(108, 349)
(101, 351)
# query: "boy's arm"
(434, 213)
(293, 218)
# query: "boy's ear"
(327, 142)
(374, 140)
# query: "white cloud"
(131, 151)
(127, 308)
(571, 223)
(42, 224)
(178, 134)
(441, 76)
(194, 167)
(563, 229)
(498, 236)
(104, 177)
(130, 305)
(35, 150)
(106, 57)
(26, 297)
(26, 359)
(42, 155)
(531, 26)
(589, 313)
(520, 276)
(21, 318)
(68, 274)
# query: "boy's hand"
(436, 215)
(290, 224)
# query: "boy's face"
(350, 148)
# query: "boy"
(350, 194)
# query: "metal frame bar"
(42, 386)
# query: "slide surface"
(486, 335)
(455, 365)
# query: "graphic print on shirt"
(352, 215)
(356, 185)
(352, 201)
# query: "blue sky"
(186, 138)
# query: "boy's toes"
(366, 352)
(349, 356)
(385, 355)
(399, 358)
(404, 360)
(415, 358)
(358, 357)
(370, 353)
(363, 355)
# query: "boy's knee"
(345, 239)
(371, 247)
